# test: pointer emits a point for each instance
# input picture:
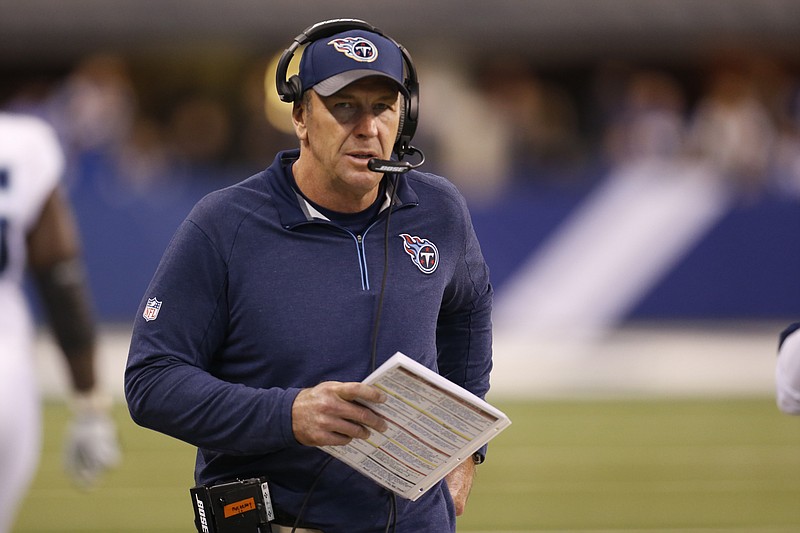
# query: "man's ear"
(299, 120)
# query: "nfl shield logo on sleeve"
(151, 309)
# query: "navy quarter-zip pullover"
(259, 295)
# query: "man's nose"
(366, 124)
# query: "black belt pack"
(241, 506)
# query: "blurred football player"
(38, 233)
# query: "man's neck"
(324, 193)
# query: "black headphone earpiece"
(295, 87)
(291, 90)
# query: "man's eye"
(343, 111)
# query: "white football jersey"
(31, 163)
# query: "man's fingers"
(360, 391)
(349, 430)
(329, 415)
(348, 409)
(369, 418)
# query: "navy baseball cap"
(330, 64)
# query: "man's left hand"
(459, 481)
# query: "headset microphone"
(396, 167)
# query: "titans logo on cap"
(423, 252)
(357, 48)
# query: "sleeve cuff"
(480, 455)
(286, 417)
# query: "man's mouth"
(362, 155)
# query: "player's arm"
(787, 372)
(55, 261)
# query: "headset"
(291, 90)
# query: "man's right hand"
(328, 415)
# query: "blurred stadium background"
(633, 169)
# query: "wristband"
(93, 401)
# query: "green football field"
(649, 465)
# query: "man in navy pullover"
(278, 295)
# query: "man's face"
(340, 133)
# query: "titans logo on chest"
(423, 252)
